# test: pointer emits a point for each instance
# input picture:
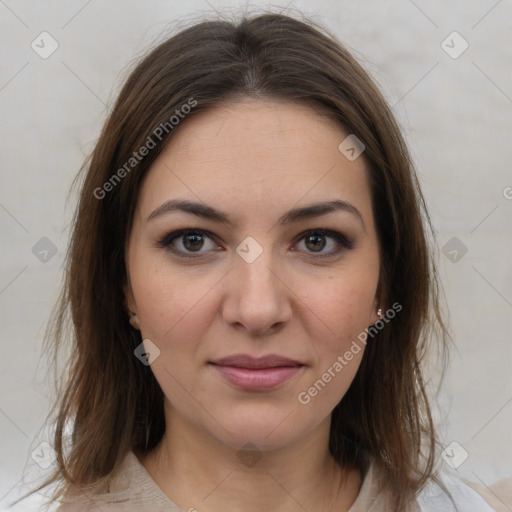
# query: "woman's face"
(256, 280)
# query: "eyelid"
(343, 243)
(341, 239)
(168, 239)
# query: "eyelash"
(342, 241)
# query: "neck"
(196, 471)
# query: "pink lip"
(251, 373)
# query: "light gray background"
(456, 117)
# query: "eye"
(189, 243)
(186, 242)
(316, 240)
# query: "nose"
(257, 299)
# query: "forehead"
(257, 153)
(271, 126)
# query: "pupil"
(318, 242)
(197, 242)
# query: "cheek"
(344, 305)
(336, 348)
(338, 312)
(170, 300)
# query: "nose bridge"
(257, 297)
(258, 275)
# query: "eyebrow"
(297, 214)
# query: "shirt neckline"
(365, 500)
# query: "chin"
(264, 432)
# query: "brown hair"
(115, 402)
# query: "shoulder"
(131, 489)
(498, 494)
(433, 498)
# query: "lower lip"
(257, 379)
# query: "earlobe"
(377, 312)
(379, 302)
(376, 316)
(132, 315)
(134, 321)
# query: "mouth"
(257, 374)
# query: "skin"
(255, 160)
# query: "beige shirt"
(133, 490)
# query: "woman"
(251, 290)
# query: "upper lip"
(247, 361)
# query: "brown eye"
(315, 243)
(316, 240)
(189, 243)
(192, 242)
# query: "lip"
(247, 361)
(257, 374)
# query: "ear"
(374, 317)
(131, 310)
(378, 303)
